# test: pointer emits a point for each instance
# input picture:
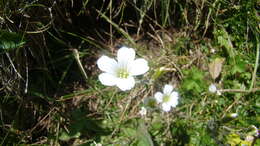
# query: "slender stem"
(256, 64)
(240, 90)
(76, 55)
(12, 64)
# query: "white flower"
(233, 115)
(212, 50)
(168, 98)
(121, 72)
(143, 111)
(212, 88)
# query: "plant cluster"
(191, 79)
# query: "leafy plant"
(10, 40)
(194, 80)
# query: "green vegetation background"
(46, 99)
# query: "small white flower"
(233, 115)
(212, 50)
(143, 111)
(218, 93)
(168, 98)
(121, 72)
(212, 88)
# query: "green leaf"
(224, 41)
(129, 132)
(158, 73)
(64, 136)
(239, 66)
(194, 80)
(10, 40)
(143, 136)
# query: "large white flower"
(168, 99)
(121, 72)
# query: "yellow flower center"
(166, 98)
(122, 73)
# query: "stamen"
(122, 73)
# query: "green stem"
(256, 64)
(76, 55)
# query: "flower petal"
(159, 97)
(125, 84)
(125, 55)
(107, 64)
(107, 79)
(175, 95)
(166, 107)
(174, 99)
(173, 102)
(167, 89)
(138, 67)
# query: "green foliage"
(176, 37)
(194, 80)
(10, 40)
(82, 126)
(224, 40)
(241, 18)
(137, 133)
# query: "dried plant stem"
(12, 64)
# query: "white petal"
(107, 79)
(125, 55)
(159, 97)
(174, 99)
(125, 84)
(107, 64)
(167, 89)
(166, 107)
(138, 67)
(175, 95)
(173, 102)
